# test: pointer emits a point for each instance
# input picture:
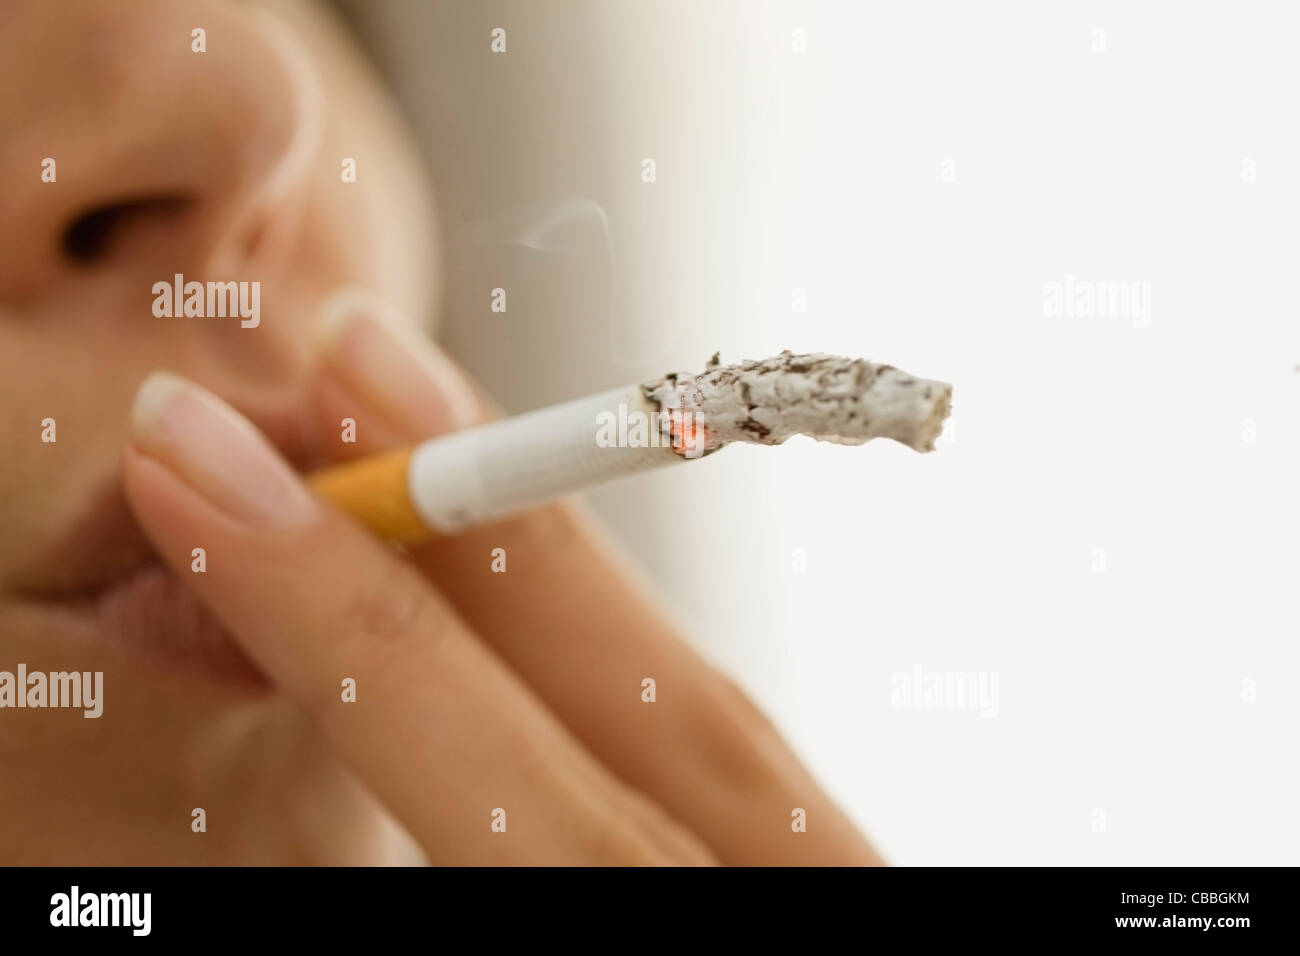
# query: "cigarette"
(450, 483)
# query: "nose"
(139, 148)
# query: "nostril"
(92, 234)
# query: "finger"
(368, 402)
(439, 729)
(702, 750)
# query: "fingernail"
(392, 366)
(217, 452)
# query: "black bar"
(616, 907)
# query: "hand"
(476, 692)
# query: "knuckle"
(620, 841)
(673, 839)
(746, 714)
(379, 628)
(394, 624)
(393, 610)
(741, 747)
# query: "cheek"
(371, 219)
(399, 257)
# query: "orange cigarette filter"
(376, 491)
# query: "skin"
(475, 691)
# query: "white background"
(1123, 732)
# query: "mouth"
(103, 581)
(148, 612)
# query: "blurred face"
(128, 157)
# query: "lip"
(102, 580)
(103, 546)
(150, 612)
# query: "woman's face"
(126, 158)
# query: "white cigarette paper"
(496, 470)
